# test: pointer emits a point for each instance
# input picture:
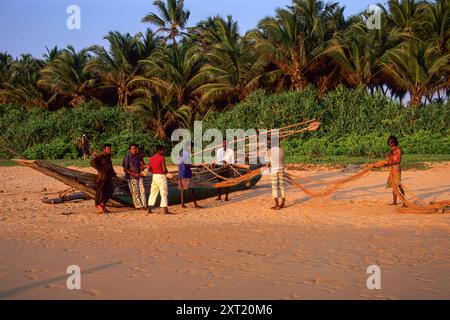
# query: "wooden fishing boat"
(86, 182)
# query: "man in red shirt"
(157, 166)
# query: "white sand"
(315, 248)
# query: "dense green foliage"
(40, 134)
(354, 122)
(310, 59)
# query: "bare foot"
(183, 206)
(198, 207)
(393, 203)
(275, 208)
(218, 199)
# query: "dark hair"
(133, 145)
(393, 139)
(160, 147)
(107, 145)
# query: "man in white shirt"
(224, 158)
(275, 157)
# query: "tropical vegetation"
(173, 73)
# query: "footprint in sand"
(92, 292)
(139, 269)
(206, 286)
(327, 290)
(296, 296)
(54, 286)
(31, 277)
(424, 279)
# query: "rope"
(413, 203)
(216, 174)
(231, 182)
(312, 126)
(334, 186)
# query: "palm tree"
(21, 86)
(67, 77)
(162, 114)
(433, 24)
(234, 69)
(358, 52)
(51, 54)
(415, 67)
(172, 71)
(25, 70)
(401, 17)
(27, 95)
(172, 18)
(117, 66)
(291, 39)
(6, 61)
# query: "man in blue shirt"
(132, 166)
(185, 175)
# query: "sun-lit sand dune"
(315, 248)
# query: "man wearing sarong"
(275, 158)
(132, 166)
(104, 191)
(185, 176)
(157, 166)
(224, 158)
(394, 159)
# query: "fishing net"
(412, 203)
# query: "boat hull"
(86, 183)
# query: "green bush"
(354, 123)
(35, 132)
(342, 112)
(371, 145)
(57, 149)
(121, 142)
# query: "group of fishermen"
(134, 169)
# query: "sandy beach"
(313, 249)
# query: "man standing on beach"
(185, 175)
(85, 146)
(275, 157)
(104, 191)
(132, 166)
(224, 158)
(394, 160)
(157, 166)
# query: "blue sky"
(28, 26)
